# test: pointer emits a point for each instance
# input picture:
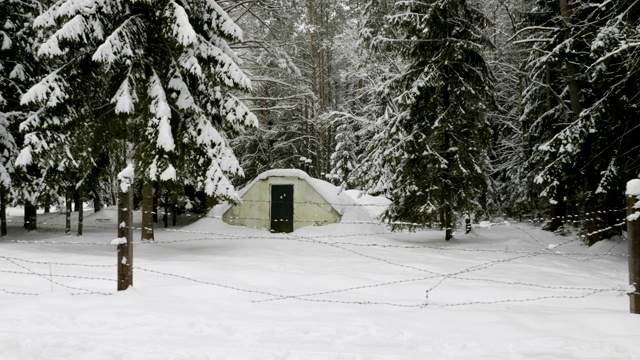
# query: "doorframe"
(293, 192)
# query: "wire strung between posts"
(270, 236)
(45, 275)
(223, 236)
(467, 303)
(490, 264)
(87, 291)
(205, 282)
(18, 293)
(448, 246)
(388, 283)
(56, 263)
(539, 298)
(436, 275)
(453, 275)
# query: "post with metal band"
(633, 238)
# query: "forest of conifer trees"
(450, 108)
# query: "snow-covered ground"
(343, 291)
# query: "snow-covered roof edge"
(334, 196)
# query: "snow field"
(339, 291)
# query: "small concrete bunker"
(285, 200)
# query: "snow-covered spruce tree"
(509, 143)
(18, 67)
(580, 98)
(367, 89)
(343, 158)
(375, 122)
(279, 90)
(169, 71)
(373, 104)
(446, 91)
(546, 105)
(590, 145)
(614, 102)
(302, 52)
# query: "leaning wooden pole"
(633, 238)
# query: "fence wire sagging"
(428, 284)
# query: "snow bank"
(376, 205)
(492, 295)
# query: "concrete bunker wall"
(309, 207)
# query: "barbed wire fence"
(356, 247)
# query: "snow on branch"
(216, 183)
(190, 63)
(18, 72)
(50, 90)
(222, 22)
(182, 29)
(235, 111)
(125, 98)
(162, 113)
(225, 66)
(161, 164)
(72, 7)
(66, 8)
(184, 99)
(206, 136)
(5, 178)
(118, 44)
(6, 41)
(74, 29)
(24, 157)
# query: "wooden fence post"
(633, 237)
(125, 229)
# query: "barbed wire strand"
(82, 290)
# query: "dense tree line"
(450, 108)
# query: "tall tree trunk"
(156, 193)
(572, 69)
(166, 209)
(3, 211)
(80, 213)
(68, 201)
(446, 188)
(446, 179)
(147, 210)
(312, 51)
(97, 202)
(30, 217)
(174, 215)
(558, 209)
(77, 203)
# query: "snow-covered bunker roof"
(315, 202)
(332, 194)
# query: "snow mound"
(376, 205)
